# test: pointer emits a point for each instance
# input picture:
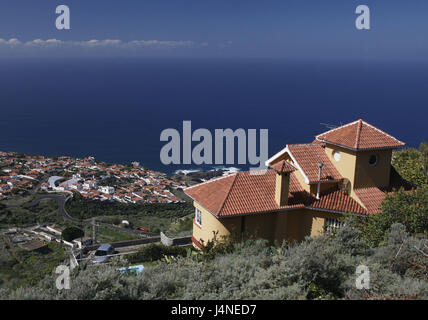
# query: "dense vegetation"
(408, 208)
(71, 233)
(108, 235)
(154, 252)
(393, 245)
(412, 164)
(45, 212)
(155, 217)
(181, 228)
(80, 207)
(153, 223)
(22, 268)
(317, 268)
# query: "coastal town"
(90, 178)
(63, 210)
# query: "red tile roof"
(244, 193)
(283, 167)
(256, 193)
(307, 157)
(336, 200)
(371, 198)
(359, 135)
(213, 193)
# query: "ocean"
(115, 108)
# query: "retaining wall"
(175, 241)
(127, 243)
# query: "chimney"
(282, 187)
(282, 181)
(320, 165)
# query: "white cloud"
(10, 42)
(96, 47)
(102, 43)
(40, 42)
(160, 44)
(94, 43)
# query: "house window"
(336, 155)
(332, 224)
(198, 217)
(373, 160)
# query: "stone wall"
(127, 243)
(180, 241)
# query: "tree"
(71, 233)
(407, 208)
(412, 164)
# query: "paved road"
(60, 199)
(39, 184)
(43, 178)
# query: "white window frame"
(198, 217)
(332, 224)
(336, 155)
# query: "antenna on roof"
(328, 126)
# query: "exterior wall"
(355, 167)
(302, 181)
(318, 220)
(179, 241)
(323, 186)
(347, 163)
(210, 224)
(281, 226)
(261, 225)
(292, 225)
(282, 186)
(373, 176)
(305, 222)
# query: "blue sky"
(308, 29)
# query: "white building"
(77, 176)
(76, 186)
(90, 184)
(106, 189)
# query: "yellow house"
(306, 189)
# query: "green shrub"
(71, 233)
(407, 208)
(80, 207)
(45, 212)
(412, 164)
(317, 268)
(154, 252)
